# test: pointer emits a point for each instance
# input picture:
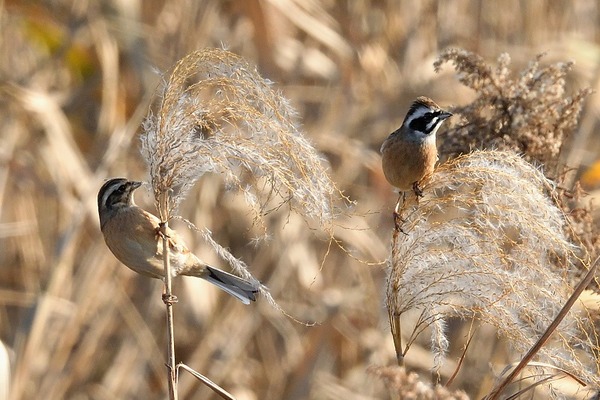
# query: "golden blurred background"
(77, 80)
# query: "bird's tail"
(239, 288)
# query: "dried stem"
(462, 356)
(394, 317)
(168, 298)
(216, 388)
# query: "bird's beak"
(134, 185)
(444, 115)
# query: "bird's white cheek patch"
(431, 126)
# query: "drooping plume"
(487, 241)
(218, 115)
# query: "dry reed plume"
(487, 242)
(218, 115)
(529, 113)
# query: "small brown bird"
(132, 236)
(410, 152)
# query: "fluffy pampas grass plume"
(487, 241)
(218, 115)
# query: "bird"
(410, 153)
(132, 235)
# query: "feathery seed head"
(487, 240)
(218, 115)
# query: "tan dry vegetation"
(76, 81)
(488, 243)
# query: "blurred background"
(77, 79)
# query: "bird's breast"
(132, 237)
(407, 161)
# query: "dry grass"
(531, 113)
(487, 242)
(218, 115)
(77, 79)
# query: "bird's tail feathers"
(239, 288)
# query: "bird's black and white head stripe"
(115, 193)
(425, 116)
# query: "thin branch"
(545, 380)
(216, 388)
(397, 336)
(395, 324)
(463, 355)
(535, 364)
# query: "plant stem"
(395, 324)
(168, 298)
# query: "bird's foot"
(417, 189)
(398, 220)
(160, 232)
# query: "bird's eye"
(420, 124)
(426, 123)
